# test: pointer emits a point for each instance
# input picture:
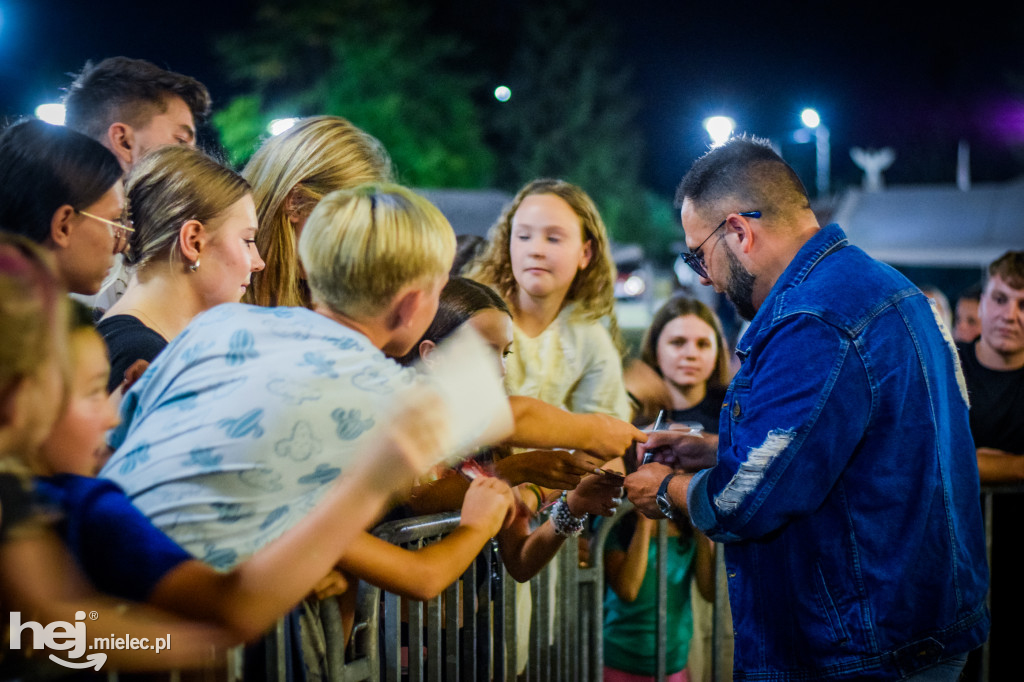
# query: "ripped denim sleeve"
(751, 472)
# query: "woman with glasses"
(193, 247)
(63, 190)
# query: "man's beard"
(739, 288)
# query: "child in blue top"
(126, 555)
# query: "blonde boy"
(239, 425)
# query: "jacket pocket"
(828, 608)
(733, 407)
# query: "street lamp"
(813, 124)
(51, 113)
(279, 125)
(719, 128)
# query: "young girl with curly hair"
(550, 260)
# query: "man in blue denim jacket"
(845, 488)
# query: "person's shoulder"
(120, 330)
(117, 323)
(579, 324)
(72, 490)
(846, 289)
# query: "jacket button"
(736, 410)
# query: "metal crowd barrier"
(469, 632)
(988, 494)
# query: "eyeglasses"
(126, 226)
(695, 258)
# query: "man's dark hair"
(747, 170)
(131, 91)
(43, 167)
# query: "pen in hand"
(658, 424)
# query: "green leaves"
(375, 64)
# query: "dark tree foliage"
(376, 63)
(573, 115)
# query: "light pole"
(812, 123)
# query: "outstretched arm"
(257, 592)
(553, 469)
(525, 554)
(424, 573)
(39, 579)
(541, 425)
(999, 466)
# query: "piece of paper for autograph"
(467, 379)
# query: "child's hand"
(558, 469)
(331, 585)
(611, 437)
(488, 505)
(596, 494)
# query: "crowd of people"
(214, 383)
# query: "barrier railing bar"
(460, 603)
(504, 613)
(661, 631)
(392, 633)
(434, 632)
(414, 648)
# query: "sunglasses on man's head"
(695, 258)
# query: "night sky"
(906, 75)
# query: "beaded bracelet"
(563, 520)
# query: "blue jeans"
(943, 671)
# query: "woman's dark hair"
(678, 306)
(460, 300)
(44, 167)
(468, 247)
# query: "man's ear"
(744, 231)
(121, 140)
(61, 226)
(192, 237)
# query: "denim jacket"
(846, 489)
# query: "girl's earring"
(195, 266)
